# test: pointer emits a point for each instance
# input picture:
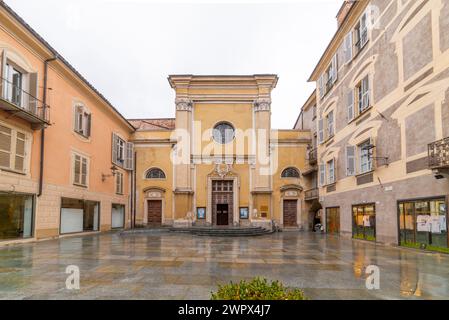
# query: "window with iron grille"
(290, 173)
(155, 173)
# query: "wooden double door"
(222, 202)
(154, 212)
(290, 208)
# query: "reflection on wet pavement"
(181, 266)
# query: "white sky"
(127, 48)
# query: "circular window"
(223, 133)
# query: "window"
(122, 153)
(290, 173)
(79, 215)
(155, 173)
(80, 167)
(119, 182)
(313, 112)
(223, 133)
(364, 222)
(365, 156)
(16, 216)
(14, 85)
(12, 149)
(362, 94)
(328, 78)
(423, 223)
(330, 124)
(331, 171)
(82, 121)
(361, 33)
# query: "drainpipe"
(44, 101)
(134, 196)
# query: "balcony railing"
(313, 156)
(439, 154)
(15, 100)
(311, 194)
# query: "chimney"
(343, 12)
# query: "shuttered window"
(12, 149)
(119, 183)
(122, 153)
(350, 160)
(83, 121)
(80, 170)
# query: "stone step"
(223, 232)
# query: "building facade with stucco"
(219, 162)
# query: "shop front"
(423, 223)
(16, 216)
(79, 215)
(364, 222)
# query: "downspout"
(44, 102)
(133, 220)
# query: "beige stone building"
(219, 162)
(383, 122)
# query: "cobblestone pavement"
(182, 266)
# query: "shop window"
(118, 216)
(423, 223)
(364, 222)
(79, 215)
(16, 216)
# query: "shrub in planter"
(257, 289)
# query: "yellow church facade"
(219, 162)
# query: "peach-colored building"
(46, 105)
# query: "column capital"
(183, 104)
(262, 104)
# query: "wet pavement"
(183, 266)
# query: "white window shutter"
(350, 104)
(320, 131)
(33, 102)
(348, 47)
(129, 161)
(321, 86)
(350, 160)
(334, 68)
(3, 74)
(114, 149)
(322, 174)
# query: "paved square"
(163, 265)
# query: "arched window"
(155, 173)
(290, 173)
(223, 132)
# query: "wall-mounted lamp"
(113, 172)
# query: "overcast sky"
(127, 48)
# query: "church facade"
(219, 162)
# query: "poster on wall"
(244, 213)
(201, 213)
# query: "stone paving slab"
(182, 266)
